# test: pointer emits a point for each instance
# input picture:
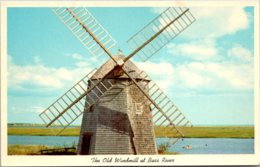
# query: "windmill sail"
(94, 37)
(164, 112)
(65, 110)
(87, 29)
(160, 31)
(146, 43)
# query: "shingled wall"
(117, 124)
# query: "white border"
(205, 159)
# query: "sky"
(207, 71)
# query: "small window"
(91, 108)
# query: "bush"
(164, 148)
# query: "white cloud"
(197, 76)
(162, 71)
(77, 56)
(194, 50)
(192, 76)
(215, 22)
(23, 110)
(84, 61)
(37, 76)
(240, 53)
(156, 68)
(200, 39)
(216, 76)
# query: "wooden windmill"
(119, 102)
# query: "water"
(199, 145)
(212, 146)
(43, 140)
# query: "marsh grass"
(42, 131)
(38, 150)
(26, 149)
(190, 132)
(210, 132)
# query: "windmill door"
(85, 147)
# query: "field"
(42, 131)
(38, 150)
(213, 132)
(25, 149)
(194, 132)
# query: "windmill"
(119, 102)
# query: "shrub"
(164, 148)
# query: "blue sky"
(207, 70)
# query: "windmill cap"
(130, 67)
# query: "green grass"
(36, 150)
(211, 132)
(25, 149)
(42, 131)
(194, 132)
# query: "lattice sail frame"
(165, 114)
(168, 24)
(81, 23)
(66, 109)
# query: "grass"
(42, 131)
(36, 150)
(25, 149)
(210, 132)
(194, 132)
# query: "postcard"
(136, 83)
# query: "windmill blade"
(159, 32)
(87, 29)
(66, 109)
(165, 113)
